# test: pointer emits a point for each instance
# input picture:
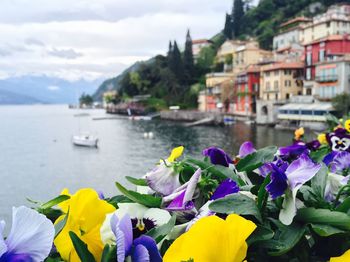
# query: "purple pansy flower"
(183, 196)
(339, 140)
(246, 148)
(288, 181)
(340, 162)
(30, 238)
(228, 186)
(294, 150)
(143, 248)
(217, 156)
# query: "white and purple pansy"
(217, 156)
(339, 140)
(245, 149)
(143, 219)
(143, 248)
(181, 198)
(338, 162)
(288, 180)
(30, 238)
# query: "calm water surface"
(38, 159)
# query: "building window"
(308, 92)
(287, 96)
(308, 73)
(246, 88)
(309, 58)
(275, 85)
(268, 86)
(276, 96)
(276, 73)
(287, 72)
(328, 24)
(321, 55)
(267, 74)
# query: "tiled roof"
(283, 65)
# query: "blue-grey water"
(38, 160)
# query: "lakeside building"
(279, 82)
(319, 51)
(198, 45)
(290, 33)
(246, 91)
(332, 77)
(335, 21)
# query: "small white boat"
(85, 140)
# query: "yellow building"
(336, 21)
(280, 81)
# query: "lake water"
(38, 159)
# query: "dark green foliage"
(228, 26)
(237, 17)
(188, 61)
(341, 103)
(85, 99)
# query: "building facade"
(246, 91)
(198, 45)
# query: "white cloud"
(93, 39)
(53, 88)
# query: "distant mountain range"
(43, 89)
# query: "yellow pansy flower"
(175, 153)
(299, 133)
(343, 258)
(347, 125)
(213, 239)
(86, 215)
(322, 138)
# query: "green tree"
(341, 103)
(85, 99)
(237, 17)
(175, 64)
(188, 62)
(228, 26)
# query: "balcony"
(241, 80)
(326, 78)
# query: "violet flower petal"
(163, 179)
(180, 202)
(3, 247)
(140, 254)
(246, 149)
(278, 183)
(301, 170)
(151, 247)
(293, 150)
(31, 234)
(329, 157)
(9, 257)
(227, 187)
(217, 156)
(340, 161)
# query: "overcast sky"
(93, 39)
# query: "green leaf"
(118, 199)
(158, 233)
(319, 181)
(143, 199)
(325, 230)
(237, 204)
(81, 248)
(54, 202)
(109, 254)
(319, 154)
(217, 170)
(256, 159)
(60, 225)
(261, 233)
(286, 239)
(344, 206)
(262, 193)
(137, 181)
(324, 217)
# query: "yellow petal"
(212, 239)
(86, 215)
(64, 205)
(322, 138)
(299, 133)
(175, 153)
(347, 125)
(343, 258)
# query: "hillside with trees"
(176, 79)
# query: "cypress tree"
(176, 66)
(237, 17)
(228, 26)
(188, 61)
